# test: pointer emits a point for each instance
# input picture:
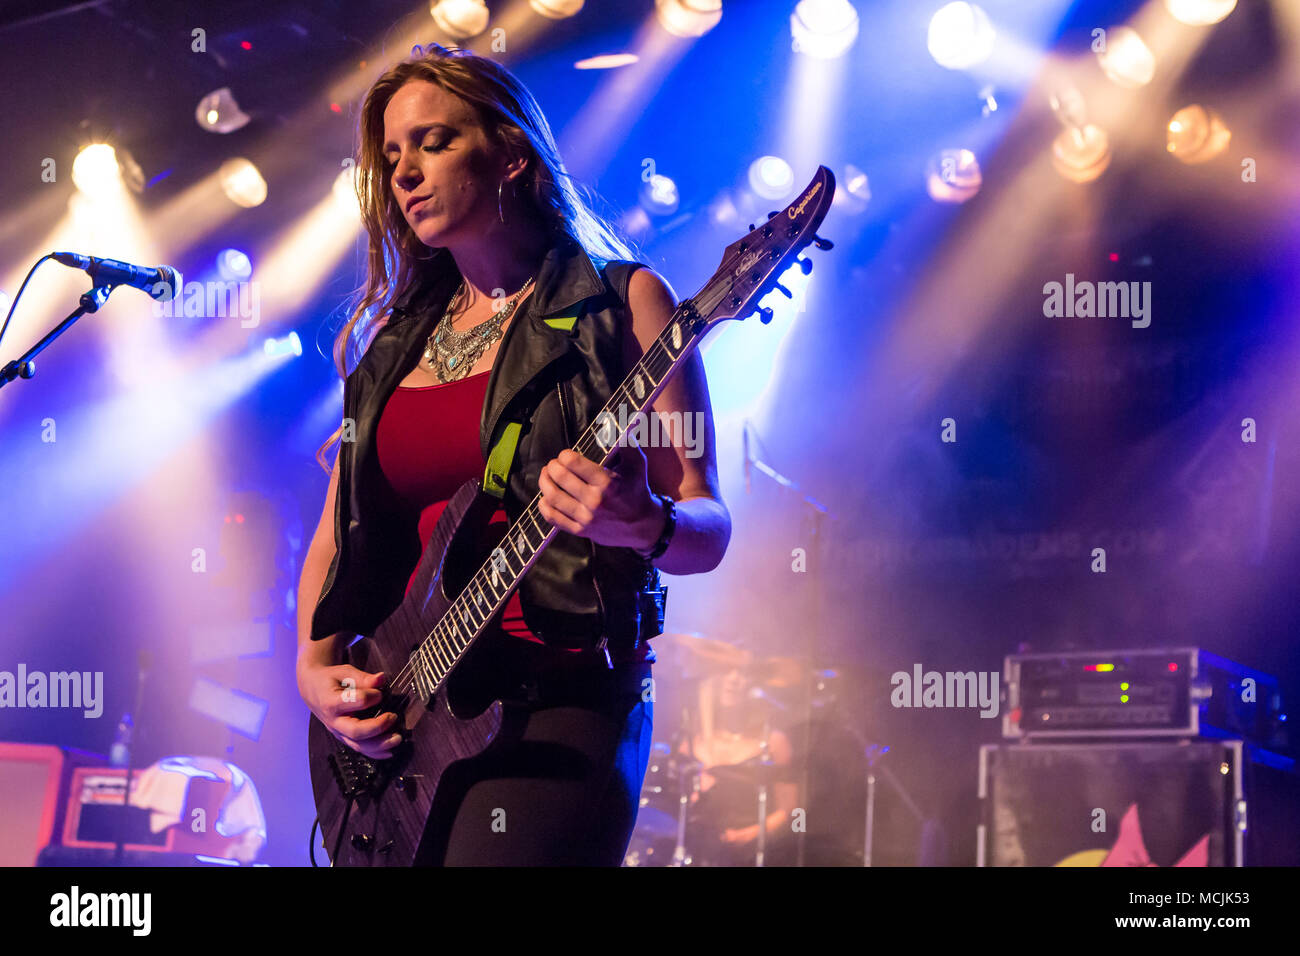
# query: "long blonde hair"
(513, 122)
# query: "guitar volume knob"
(362, 841)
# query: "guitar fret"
(489, 585)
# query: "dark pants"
(566, 793)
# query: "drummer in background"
(730, 732)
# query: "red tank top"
(427, 441)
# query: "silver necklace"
(451, 354)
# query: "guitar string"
(406, 676)
(650, 359)
(450, 645)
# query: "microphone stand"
(23, 366)
(818, 551)
(125, 818)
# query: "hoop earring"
(500, 214)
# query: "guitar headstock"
(752, 266)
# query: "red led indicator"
(1173, 666)
(246, 45)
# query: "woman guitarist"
(494, 295)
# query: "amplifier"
(1165, 692)
(34, 781)
(1156, 803)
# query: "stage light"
(284, 345)
(636, 222)
(853, 191)
(960, 36)
(1126, 60)
(1196, 134)
(1081, 155)
(953, 175)
(242, 183)
(556, 9)
(345, 190)
(1199, 13)
(824, 29)
(233, 265)
(95, 170)
(688, 18)
(659, 195)
(607, 61)
(723, 211)
(219, 113)
(771, 177)
(856, 183)
(460, 19)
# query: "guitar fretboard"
(492, 584)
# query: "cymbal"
(752, 772)
(779, 672)
(711, 652)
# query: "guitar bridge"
(354, 773)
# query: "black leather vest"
(552, 381)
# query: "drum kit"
(720, 777)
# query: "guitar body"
(395, 812)
(389, 812)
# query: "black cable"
(19, 294)
(311, 841)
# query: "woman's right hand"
(333, 693)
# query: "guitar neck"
(493, 583)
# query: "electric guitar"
(383, 812)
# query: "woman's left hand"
(611, 507)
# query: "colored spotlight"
(688, 18)
(95, 170)
(824, 29)
(960, 36)
(1196, 134)
(284, 345)
(242, 183)
(1126, 60)
(953, 176)
(556, 9)
(606, 61)
(1082, 154)
(1199, 13)
(853, 191)
(771, 177)
(233, 265)
(345, 190)
(219, 113)
(659, 195)
(460, 19)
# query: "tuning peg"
(784, 291)
(771, 215)
(752, 227)
(805, 265)
(764, 315)
(820, 243)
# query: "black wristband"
(670, 525)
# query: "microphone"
(744, 438)
(161, 282)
